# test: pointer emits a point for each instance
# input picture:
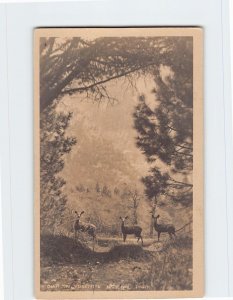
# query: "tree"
(54, 144)
(106, 191)
(75, 65)
(97, 187)
(135, 200)
(165, 132)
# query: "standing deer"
(84, 227)
(169, 228)
(136, 230)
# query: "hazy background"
(106, 154)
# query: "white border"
(16, 89)
(229, 133)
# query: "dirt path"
(114, 265)
(104, 244)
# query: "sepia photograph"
(118, 158)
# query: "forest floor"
(68, 265)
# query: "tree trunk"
(47, 97)
(153, 209)
(135, 217)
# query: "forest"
(116, 163)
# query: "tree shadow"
(59, 250)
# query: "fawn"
(169, 228)
(89, 228)
(136, 230)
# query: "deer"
(169, 228)
(89, 228)
(136, 230)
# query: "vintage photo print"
(118, 163)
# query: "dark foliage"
(59, 249)
(76, 65)
(165, 132)
(54, 144)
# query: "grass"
(67, 265)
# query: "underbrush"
(71, 265)
(64, 250)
